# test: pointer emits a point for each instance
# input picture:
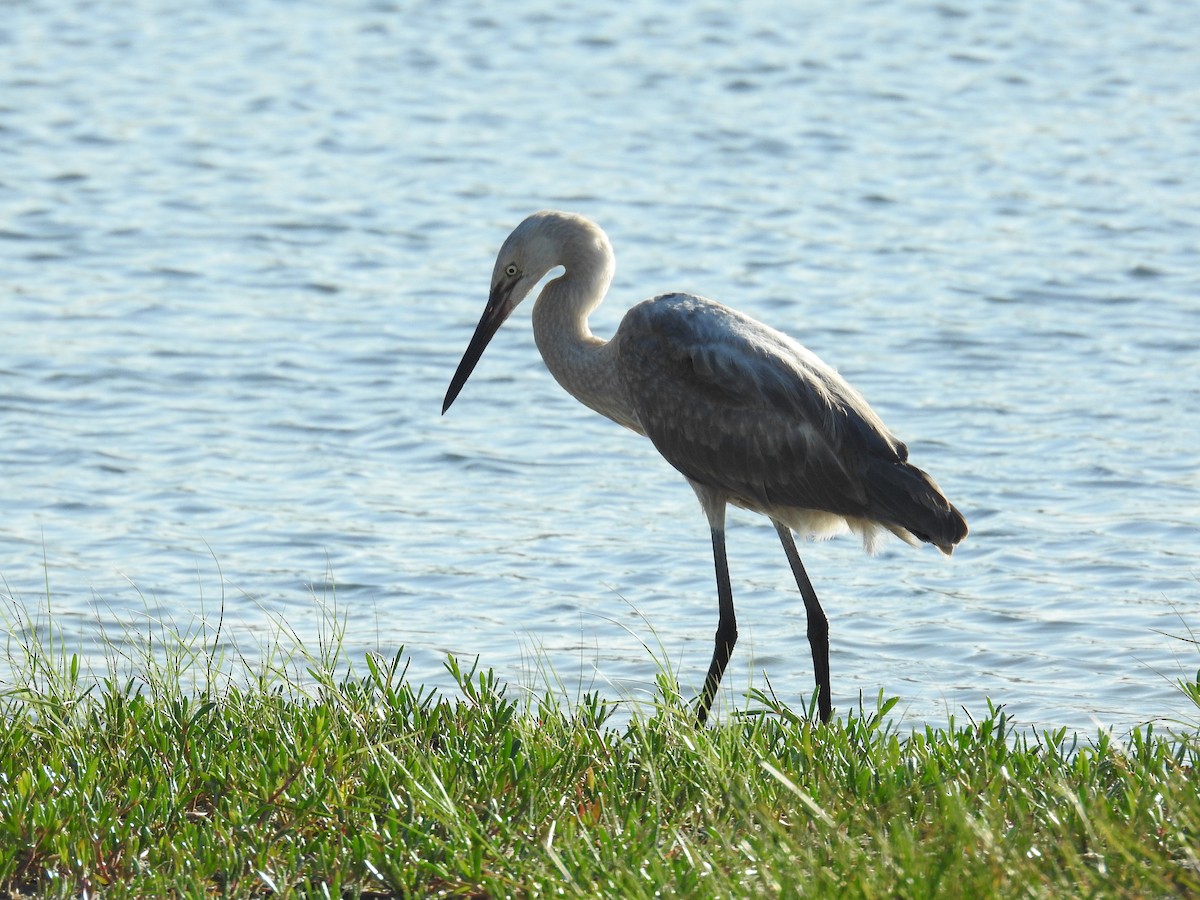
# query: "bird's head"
(540, 243)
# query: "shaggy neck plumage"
(579, 361)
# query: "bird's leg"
(818, 625)
(726, 627)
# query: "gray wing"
(736, 405)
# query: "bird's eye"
(510, 270)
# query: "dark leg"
(726, 627)
(818, 625)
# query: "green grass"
(332, 785)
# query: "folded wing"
(734, 404)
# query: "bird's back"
(743, 408)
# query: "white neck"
(581, 362)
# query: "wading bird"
(748, 415)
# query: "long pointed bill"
(498, 309)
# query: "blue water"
(242, 248)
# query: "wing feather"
(734, 404)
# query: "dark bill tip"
(493, 317)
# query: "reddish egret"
(748, 415)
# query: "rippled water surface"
(242, 247)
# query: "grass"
(370, 786)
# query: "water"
(243, 246)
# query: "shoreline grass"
(135, 785)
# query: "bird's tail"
(904, 496)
